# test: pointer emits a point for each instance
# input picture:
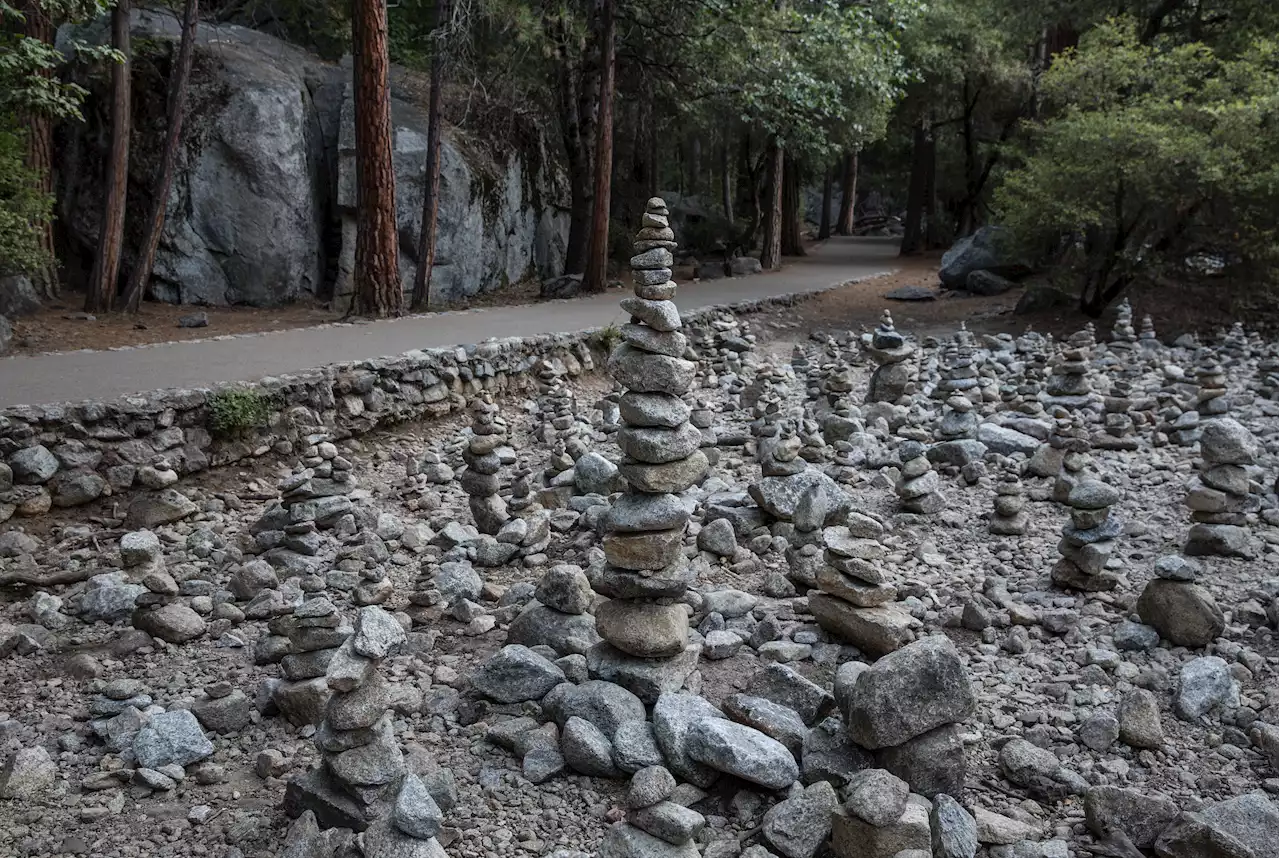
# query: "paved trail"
(74, 376)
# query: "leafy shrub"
(233, 412)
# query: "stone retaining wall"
(70, 454)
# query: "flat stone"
(674, 717)
(516, 674)
(647, 678)
(743, 752)
(643, 629)
(539, 625)
(779, 496)
(653, 409)
(653, 550)
(674, 477)
(774, 720)
(655, 445)
(640, 512)
(646, 372)
(852, 837)
(1140, 816)
(785, 686)
(876, 631)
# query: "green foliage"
(234, 411)
(22, 207)
(1153, 152)
(28, 67)
(608, 337)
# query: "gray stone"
(361, 707)
(108, 598)
(566, 589)
(647, 678)
(652, 409)
(1099, 731)
(741, 751)
(649, 786)
(225, 715)
(1139, 719)
(779, 722)
(416, 812)
(1006, 441)
(515, 674)
(669, 821)
(828, 754)
(643, 629)
(935, 762)
(1240, 827)
(172, 623)
(779, 496)
(909, 692)
(33, 465)
(1183, 613)
(854, 837)
(876, 796)
(672, 477)
(718, 538)
(594, 474)
(1205, 684)
(457, 581)
(985, 250)
(786, 687)
(603, 704)
(586, 749)
(876, 631)
(627, 841)
(955, 834)
(797, 827)
(378, 634)
(645, 372)
(1223, 441)
(634, 747)
(538, 625)
(674, 717)
(638, 512)
(171, 737)
(26, 774)
(728, 603)
(911, 293)
(1140, 816)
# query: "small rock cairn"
(1147, 334)
(644, 542)
(363, 782)
(1117, 423)
(1009, 517)
(480, 480)
(160, 611)
(1087, 541)
(1177, 607)
(315, 630)
(1219, 497)
(917, 486)
(959, 375)
(854, 597)
(655, 824)
(1069, 384)
(1072, 439)
(1122, 335)
(1211, 398)
(889, 350)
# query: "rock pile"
(1177, 607)
(889, 350)
(655, 824)
(854, 597)
(313, 633)
(1220, 498)
(161, 611)
(1069, 385)
(558, 617)
(1087, 542)
(480, 479)
(917, 486)
(1122, 335)
(642, 624)
(1211, 379)
(1009, 517)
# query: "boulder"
(985, 250)
(908, 693)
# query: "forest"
(1107, 143)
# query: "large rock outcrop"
(261, 211)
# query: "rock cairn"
(1072, 440)
(1219, 497)
(959, 375)
(559, 616)
(1122, 335)
(314, 631)
(917, 485)
(363, 782)
(1087, 542)
(480, 479)
(854, 597)
(1147, 334)
(1211, 378)
(1069, 385)
(655, 824)
(1009, 516)
(642, 623)
(1177, 607)
(161, 611)
(889, 350)
(1118, 432)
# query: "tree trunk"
(37, 25)
(431, 179)
(824, 219)
(913, 232)
(848, 194)
(576, 82)
(932, 235)
(771, 252)
(106, 265)
(141, 273)
(596, 276)
(377, 265)
(726, 183)
(792, 217)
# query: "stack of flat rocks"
(314, 631)
(161, 612)
(644, 626)
(1087, 542)
(854, 597)
(656, 824)
(889, 350)
(1211, 378)
(1069, 385)
(480, 479)
(559, 615)
(917, 486)
(1220, 497)
(1009, 517)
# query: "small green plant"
(233, 412)
(609, 336)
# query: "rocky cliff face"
(261, 211)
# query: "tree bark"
(106, 265)
(771, 252)
(431, 179)
(36, 24)
(932, 234)
(595, 278)
(141, 273)
(824, 219)
(576, 81)
(792, 240)
(726, 183)
(913, 232)
(377, 265)
(848, 194)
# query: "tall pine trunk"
(771, 252)
(431, 181)
(792, 218)
(106, 264)
(913, 231)
(36, 24)
(726, 183)
(595, 278)
(848, 194)
(377, 266)
(824, 219)
(141, 273)
(932, 233)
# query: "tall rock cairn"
(1211, 398)
(480, 480)
(1219, 497)
(889, 350)
(1087, 542)
(1069, 385)
(644, 541)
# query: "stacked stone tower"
(480, 480)
(889, 350)
(1088, 540)
(1220, 497)
(1069, 385)
(644, 627)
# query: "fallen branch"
(36, 578)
